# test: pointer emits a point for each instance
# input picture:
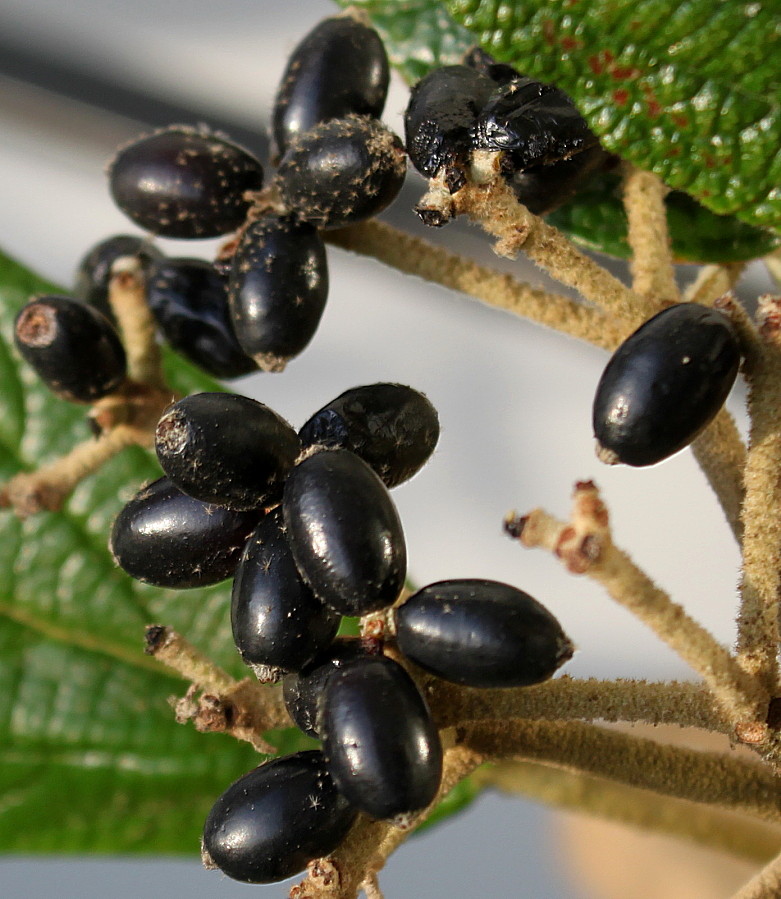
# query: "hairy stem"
(713, 281)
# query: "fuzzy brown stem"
(713, 281)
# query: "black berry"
(278, 289)
(278, 623)
(184, 182)
(226, 449)
(345, 532)
(74, 349)
(341, 171)
(380, 743)
(481, 634)
(664, 384)
(166, 538)
(392, 427)
(339, 68)
(189, 300)
(273, 821)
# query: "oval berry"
(184, 182)
(166, 538)
(339, 68)
(94, 271)
(341, 171)
(392, 427)
(189, 300)
(74, 349)
(303, 691)
(278, 623)
(481, 634)
(226, 449)
(664, 384)
(272, 822)
(382, 748)
(345, 532)
(278, 289)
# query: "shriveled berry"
(380, 743)
(184, 182)
(189, 300)
(278, 289)
(341, 171)
(273, 821)
(339, 68)
(664, 384)
(226, 449)
(303, 691)
(481, 634)
(166, 538)
(94, 271)
(278, 623)
(345, 532)
(392, 427)
(74, 349)
(440, 121)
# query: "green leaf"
(689, 90)
(91, 759)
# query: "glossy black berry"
(380, 743)
(184, 182)
(226, 449)
(189, 300)
(481, 634)
(392, 427)
(94, 271)
(278, 623)
(440, 121)
(278, 289)
(303, 691)
(166, 538)
(345, 532)
(341, 171)
(273, 821)
(74, 349)
(664, 384)
(339, 68)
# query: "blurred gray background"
(514, 399)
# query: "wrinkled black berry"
(189, 300)
(166, 538)
(341, 171)
(74, 349)
(664, 384)
(345, 532)
(226, 449)
(278, 289)
(481, 634)
(339, 68)
(184, 182)
(273, 821)
(277, 621)
(392, 427)
(380, 743)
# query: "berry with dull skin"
(481, 634)
(272, 822)
(341, 171)
(226, 449)
(345, 532)
(74, 349)
(166, 538)
(184, 182)
(664, 384)
(392, 427)
(278, 288)
(339, 68)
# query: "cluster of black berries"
(545, 149)
(305, 524)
